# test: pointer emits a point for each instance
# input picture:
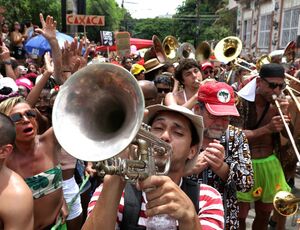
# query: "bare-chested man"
(16, 209)
(34, 158)
(189, 75)
(262, 126)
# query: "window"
(264, 31)
(289, 26)
(247, 33)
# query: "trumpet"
(101, 107)
(285, 203)
(291, 138)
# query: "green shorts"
(268, 180)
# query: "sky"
(150, 8)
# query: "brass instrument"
(264, 59)
(289, 53)
(170, 46)
(290, 135)
(228, 49)
(186, 50)
(98, 113)
(203, 52)
(156, 51)
(285, 203)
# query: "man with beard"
(189, 75)
(224, 161)
(262, 126)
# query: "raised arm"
(49, 32)
(34, 94)
(104, 204)
(5, 58)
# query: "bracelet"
(7, 62)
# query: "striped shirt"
(211, 214)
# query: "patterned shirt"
(211, 214)
(240, 178)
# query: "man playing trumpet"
(262, 126)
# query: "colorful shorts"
(268, 180)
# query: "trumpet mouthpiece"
(274, 97)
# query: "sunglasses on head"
(16, 117)
(273, 85)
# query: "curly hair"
(184, 64)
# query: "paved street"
(291, 223)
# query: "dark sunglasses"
(163, 90)
(273, 85)
(208, 71)
(17, 117)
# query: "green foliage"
(112, 12)
(146, 28)
(24, 10)
(199, 20)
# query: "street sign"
(85, 20)
(123, 43)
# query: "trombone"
(287, 127)
(285, 203)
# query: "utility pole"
(197, 33)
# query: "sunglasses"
(17, 117)
(208, 71)
(163, 90)
(273, 85)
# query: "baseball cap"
(196, 120)
(206, 65)
(22, 81)
(137, 69)
(218, 98)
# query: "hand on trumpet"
(276, 124)
(284, 103)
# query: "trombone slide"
(287, 128)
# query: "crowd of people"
(227, 152)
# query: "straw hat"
(152, 64)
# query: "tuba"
(203, 52)
(228, 49)
(186, 50)
(285, 203)
(98, 113)
(170, 46)
(156, 51)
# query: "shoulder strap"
(192, 190)
(132, 208)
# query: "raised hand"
(48, 27)
(72, 57)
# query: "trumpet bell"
(186, 50)
(158, 49)
(264, 59)
(282, 207)
(203, 52)
(98, 112)
(170, 46)
(228, 49)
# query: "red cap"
(218, 98)
(206, 65)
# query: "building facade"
(266, 25)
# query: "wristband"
(7, 62)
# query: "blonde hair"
(7, 105)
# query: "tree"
(113, 16)
(25, 10)
(199, 20)
(146, 28)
